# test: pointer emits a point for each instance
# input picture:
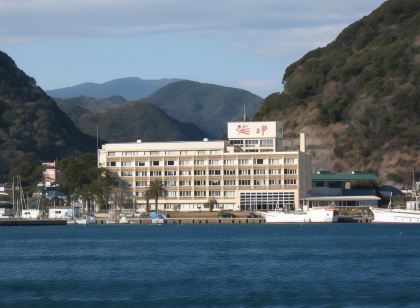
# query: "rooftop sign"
(245, 130)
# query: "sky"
(240, 43)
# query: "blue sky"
(241, 43)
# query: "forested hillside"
(32, 127)
(358, 98)
(208, 106)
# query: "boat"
(157, 218)
(312, 215)
(409, 215)
(85, 221)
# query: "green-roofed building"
(354, 188)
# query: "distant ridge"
(208, 106)
(130, 88)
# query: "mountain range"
(206, 107)
(130, 88)
(358, 98)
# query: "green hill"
(31, 124)
(90, 103)
(206, 105)
(137, 120)
(358, 98)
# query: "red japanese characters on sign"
(243, 129)
(261, 130)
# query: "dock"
(33, 222)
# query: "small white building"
(31, 214)
(64, 213)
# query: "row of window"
(188, 193)
(226, 162)
(210, 172)
(164, 153)
(252, 142)
(219, 183)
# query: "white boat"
(410, 215)
(312, 215)
(85, 221)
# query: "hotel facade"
(249, 171)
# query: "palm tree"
(210, 204)
(148, 194)
(156, 190)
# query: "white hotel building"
(250, 171)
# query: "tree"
(81, 179)
(147, 196)
(211, 204)
(156, 190)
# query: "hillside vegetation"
(208, 106)
(129, 122)
(358, 98)
(32, 127)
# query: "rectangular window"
(185, 172)
(289, 171)
(141, 183)
(229, 194)
(229, 182)
(259, 182)
(199, 172)
(267, 142)
(126, 173)
(140, 163)
(244, 172)
(126, 164)
(273, 161)
(170, 173)
(169, 183)
(229, 162)
(141, 173)
(259, 171)
(251, 142)
(214, 193)
(243, 162)
(199, 193)
(155, 163)
(274, 182)
(274, 171)
(169, 163)
(111, 164)
(111, 153)
(229, 172)
(213, 162)
(289, 160)
(259, 161)
(214, 183)
(155, 173)
(244, 182)
(185, 194)
(237, 142)
(290, 182)
(185, 163)
(200, 183)
(198, 162)
(184, 183)
(214, 172)
(171, 194)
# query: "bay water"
(210, 265)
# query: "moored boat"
(312, 215)
(398, 216)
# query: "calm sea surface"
(210, 265)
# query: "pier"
(33, 222)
